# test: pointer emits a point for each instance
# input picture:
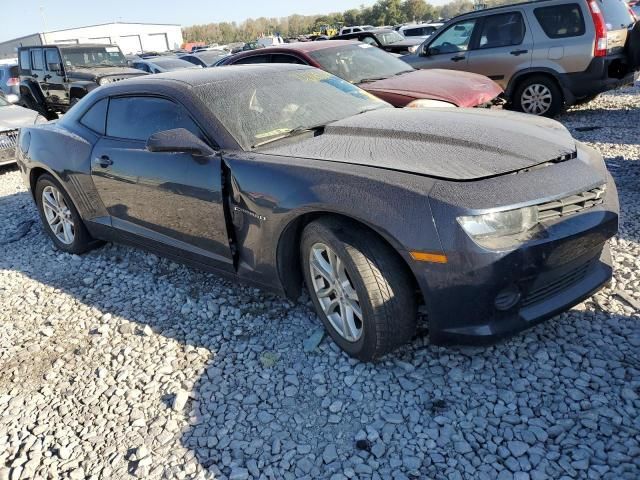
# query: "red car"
(381, 74)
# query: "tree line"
(383, 12)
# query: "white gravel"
(118, 363)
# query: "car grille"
(571, 204)
(8, 141)
(544, 288)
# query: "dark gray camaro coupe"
(282, 174)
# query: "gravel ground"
(119, 363)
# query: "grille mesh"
(551, 288)
(571, 204)
(8, 142)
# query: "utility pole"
(44, 24)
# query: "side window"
(96, 117)
(25, 60)
(37, 62)
(253, 59)
(502, 30)
(561, 21)
(52, 58)
(454, 39)
(369, 41)
(137, 118)
(281, 58)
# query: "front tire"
(361, 290)
(538, 95)
(60, 218)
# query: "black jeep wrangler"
(54, 77)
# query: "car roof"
(195, 77)
(63, 46)
(302, 46)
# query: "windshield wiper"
(372, 79)
(292, 133)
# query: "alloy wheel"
(335, 292)
(536, 99)
(58, 215)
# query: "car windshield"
(170, 64)
(93, 57)
(359, 62)
(264, 107)
(211, 56)
(387, 38)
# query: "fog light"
(507, 298)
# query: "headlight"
(427, 103)
(499, 229)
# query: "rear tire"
(371, 282)
(59, 216)
(538, 95)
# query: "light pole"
(44, 24)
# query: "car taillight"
(600, 47)
(13, 81)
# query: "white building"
(130, 37)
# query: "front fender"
(269, 195)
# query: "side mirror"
(178, 140)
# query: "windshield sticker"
(112, 49)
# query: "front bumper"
(465, 298)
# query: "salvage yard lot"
(119, 363)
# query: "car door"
(449, 48)
(53, 80)
(171, 199)
(503, 46)
(37, 66)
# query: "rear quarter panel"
(66, 156)
(563, 55)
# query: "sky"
(24, 17)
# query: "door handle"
(104, 161)
(35, 75)
(518, 52)
(46, 77)
(457, 58)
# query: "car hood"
(450, 144)
(463, 89)
(99, 72)
(13, 117)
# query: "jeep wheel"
(538, 95)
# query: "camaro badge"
(250, 213)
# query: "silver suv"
(545, 54)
